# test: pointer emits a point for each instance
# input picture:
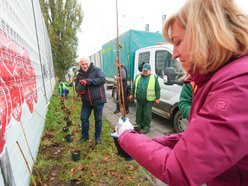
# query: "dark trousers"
(144, 114)
(125, 99)
(85, 114)
(65, 92)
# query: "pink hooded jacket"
(214, 148)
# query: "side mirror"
(161, 74)
(170, 76)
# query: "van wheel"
(180, 123)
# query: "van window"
(144, 57)
(164, 59)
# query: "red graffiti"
(29, 74)
(13, 81)
(17, 84)
(4, 113)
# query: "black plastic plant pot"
(120, 151)
(65, 129)
(68, 138)
(66, 117)
(68, 123)
(62, 102)
(75, 155)
(67, 111)
(137, 129)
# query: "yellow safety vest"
(150, 93)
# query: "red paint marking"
(17, 84)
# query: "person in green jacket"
(185, 100)
(186, 94)
(146, 90)
(62, 90)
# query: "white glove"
(123, 125)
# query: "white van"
(170, 74)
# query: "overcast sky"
(99, 23)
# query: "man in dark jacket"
(93, 97)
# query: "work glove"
(122, 125)
(83, 81)
(157, 101)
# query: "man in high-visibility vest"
(146, 90)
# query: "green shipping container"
(130, 41)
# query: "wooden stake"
(119, 71)
(25, 136)
(29, 170)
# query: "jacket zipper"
(241, 178)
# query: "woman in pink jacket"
(212, 37)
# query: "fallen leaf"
(53, 174)
(80, 167)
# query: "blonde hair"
(216, 31)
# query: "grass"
(98, 165)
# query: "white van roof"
(168, 46)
